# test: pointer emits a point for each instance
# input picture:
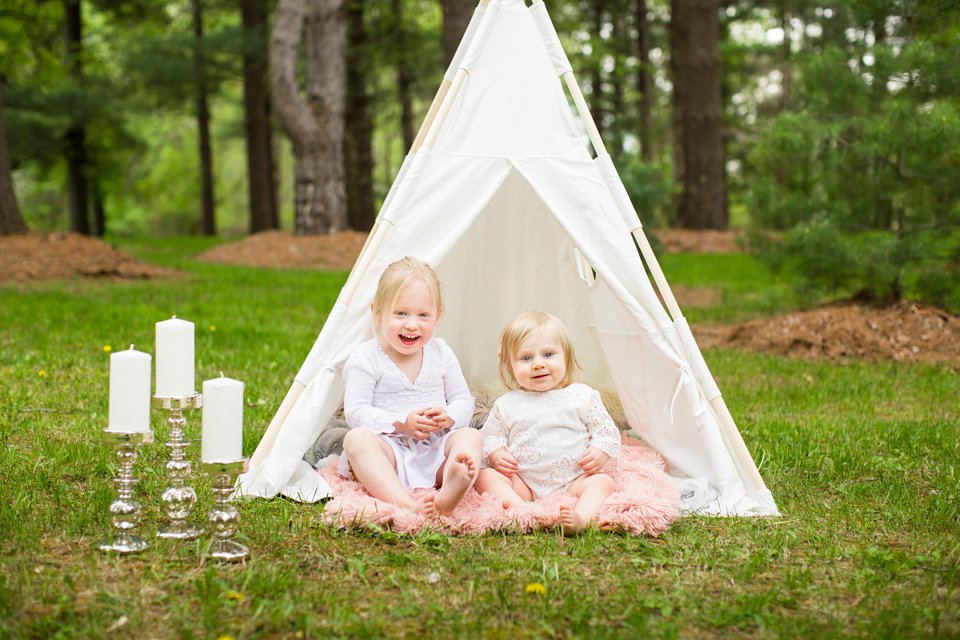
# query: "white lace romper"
(548, 432)
(377, 394)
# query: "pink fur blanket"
(645, 502)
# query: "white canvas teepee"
(502, 197)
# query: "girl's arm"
(360, 378)
(494, 433)
(604, 434)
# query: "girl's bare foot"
(572, 521)
(425, 504)
(457, 478)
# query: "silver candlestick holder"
(224, 516)
(125, 510)
(179, 498)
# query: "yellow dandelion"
(224, 637)
(535, 587)
(42, 373)
(233, 595)
(213, 327)
(107, 348)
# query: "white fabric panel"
(408, 186)
(662, 401)
(551, 41)
(618, 191)
(695, 357)
(505, 264)
(401, 176)
(478, 40)
(512, 105)
(464, 43)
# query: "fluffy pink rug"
(645, 502)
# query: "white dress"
(548, 432)
(377, 394)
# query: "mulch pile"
(52, 256)
(906, 331)
(282, 249)
(697, 241)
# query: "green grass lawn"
(863, 460)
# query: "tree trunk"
(261, 188)
(326, 93)
(76, 148)
(99, 209)
(357, 148)
(456, 17)
(317, 146)
(11, 220)
(786, 16)
(208, 220)
(645, 81)
(698, 113)
(404, 75)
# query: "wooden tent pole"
(431, 114)
(585, 114)
(737, 447)
(651, 259)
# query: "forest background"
(834, 125)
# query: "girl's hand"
(593, 461)
(417, 425)
(439, 416)
(502, 461)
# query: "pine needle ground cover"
(863, 459)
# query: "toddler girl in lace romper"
(548, 434)
(406, 401)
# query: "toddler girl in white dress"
(406, 401)
(548, 434)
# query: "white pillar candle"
(129, 391)
(175, 376)
(222, 439)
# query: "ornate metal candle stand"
(125, 510)
(178, 498)
(224, 516)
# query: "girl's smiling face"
(409, 325)
(539, 363)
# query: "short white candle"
(222, 439)
(175, 375)
(129, 391)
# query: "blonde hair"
(519, 329)
(399, 276)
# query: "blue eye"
(400, 313)
(526, 358)
(549, 354)
(424, 315)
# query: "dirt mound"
(907, 331)
(697, 240)
(52, 256)
(282, 249)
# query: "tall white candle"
(129, 391)
(222, 439)
(175, 375)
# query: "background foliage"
(841, 123)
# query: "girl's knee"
(605, 482)
(356, 439)
(471, 437)
(488, 476)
